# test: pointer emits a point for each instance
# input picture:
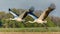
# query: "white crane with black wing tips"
(22, 16)
(16, 17)
(44, 15)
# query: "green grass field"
(51, 27)
(40, 29)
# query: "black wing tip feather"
(9, 9)
(52, 6)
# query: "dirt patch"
(29, 32)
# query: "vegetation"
(41, 29)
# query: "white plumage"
(44, 15)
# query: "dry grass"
(29, 32)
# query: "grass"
(50, 23)
(51, 27)
(40, 29)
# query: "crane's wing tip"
(9, 9)
(52, 6)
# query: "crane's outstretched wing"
(13, 13)
(32, 15)
(31, 9)
(47, 11)
(23, 15)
